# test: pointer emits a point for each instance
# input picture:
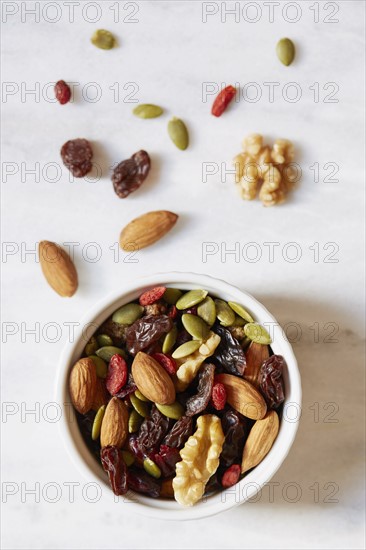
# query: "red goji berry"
(166, 361)
(231, 476)
(117, 374)
(173, 312)
(222, 100)
(151, 296)
(62, 92)
(218, 396)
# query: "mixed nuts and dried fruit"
(178, 394)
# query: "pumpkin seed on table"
(103, 39)
(207, 311)
(147, 110)
(169, 340)
(172, 295)
(104, 340)
(134, 421)
(238, 308)
(178, 133)
(191, 298)
(128, 458)
(97, 424)
(195, 326)
(127, 314)
(140, 406)
(257, 333)
(107, 352)
(186, 349)
(175, 410)
(224, 313)
(100, 365)
(151, 468)
(285, 50)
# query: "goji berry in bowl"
(173, 363)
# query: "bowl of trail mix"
(186, 395)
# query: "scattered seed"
(178, 133)
(285, 50)
(147, 110)
(103, 39)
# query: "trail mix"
(268, 171)
(178, 394)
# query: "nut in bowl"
(180, 363)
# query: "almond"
(243, 396)
(101, 395)
(146, 230)
(82, 384)
(260, 441)
(152, 380)
(58, 268)
(255, 355)
(114, 428)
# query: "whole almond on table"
(58, 268)
(152, 379)
(255, 355)
(242, 396)
(146, 229)
(114, 430)
(260, 441)
(83, 384)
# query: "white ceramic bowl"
(250, 484)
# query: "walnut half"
(200, 460)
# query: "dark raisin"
(182, 337)
(152, 431)
(76, 155)
(199, 402)
(130, 387)
(271, 381)
(229, 353)
(62, 92)
(179, 433)
(115, 466)
(233, 428)
(166, 459)
(145, 331)
(141, 482)
(130, 174)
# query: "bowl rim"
(251, 484)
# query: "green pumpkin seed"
(91, 347)
(103, 39)
(169, 340)
(107, 352)
(172, 295)
(178, 133)
(100, 365)
(191, 298)
(241, 311)
(207, 311)
(140, 396)
(151, 468)
(128, 458)
(186, 349)
(239, 321)
(257, 333)
(195, 326)
(127, 314)
(285, 50)
(97, 424)
(134, 421)
(224, 313)
(147, 110)
(140, 406)
(104, 340)
(174, 411)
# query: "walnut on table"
(200, 460)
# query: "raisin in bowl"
(186, 396)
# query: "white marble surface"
(168, 54)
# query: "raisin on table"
(130, 174)
(76, 155)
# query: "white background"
(169, 53)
